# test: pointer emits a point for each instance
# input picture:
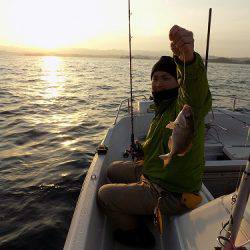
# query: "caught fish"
(180, 141)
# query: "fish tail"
(166, 159)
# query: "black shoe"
(139, 237)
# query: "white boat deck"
(227, 144)
(229, 130)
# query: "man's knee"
(104, 195)
(112, 169)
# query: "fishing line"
(183, 80)
(217, 134)
(186, 95)
(245, 123)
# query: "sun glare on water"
(53, 90)
(52, 76)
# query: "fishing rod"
(131, 82)
(207, 47)
(208, 36)
(135, 147)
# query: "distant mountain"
(138, 54)
(10, 49)
(83, 52)
(230, 60)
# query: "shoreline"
(136, 56)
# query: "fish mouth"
(187, 107)
(187, 111)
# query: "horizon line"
(80, 52)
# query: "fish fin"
(166, 159)
(170, 125)
(186, 150)
(163, 156)
(170, 143)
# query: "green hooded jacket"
(183, 173)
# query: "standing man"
(135, 187)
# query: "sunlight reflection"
(52, 75)
(64, 174)
(68, 119)
(69, 142)
(70, 145)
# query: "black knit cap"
(167, 64)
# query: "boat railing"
(234, 97)
(128, 105)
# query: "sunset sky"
(103, 24)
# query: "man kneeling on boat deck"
(135, 187)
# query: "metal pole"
(234, 103)
(207, 47)
(208, 36)
(131, 76)
(240, 206)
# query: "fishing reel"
(135, 151)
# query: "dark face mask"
(167, 95)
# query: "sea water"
(53, 113)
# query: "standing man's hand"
(182, 43)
